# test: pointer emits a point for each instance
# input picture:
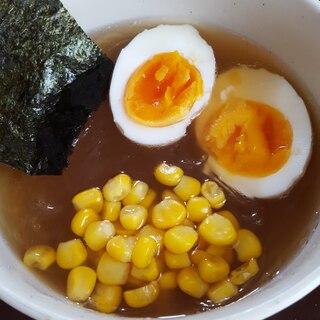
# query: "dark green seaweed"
(52, 76)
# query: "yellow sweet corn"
(226, 252)
(244, 272)
(40, 257)
(120, 230)
(111, 271)
(198, 208)
(111, 210)
(218, 230)
(137, 193)
(149, 199)
(213, 193)
(156, 234)
(117, 188)
(150, 273)
(82, 219)
(90, 198)
(199, 255)
(187, 187)
(71, 254)
(145, 249)
(121, 247)
(180, 239)
(190, 282)
(177, 261)
(168, 280)
(106, 298)
(80, 283)
(168, 213)
(184, 245)
(213, 269)
(98, 234)
(142, 297)
(169, 194)
(168, 175)
(247, 246)
(222, 291)
(133, 217)
(227, 214)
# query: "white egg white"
(271, 89)
(164, 38)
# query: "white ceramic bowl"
(287, 28)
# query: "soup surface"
(38, 210)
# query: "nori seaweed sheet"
(52, 76)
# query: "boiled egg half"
(162, 79)
(256, 131)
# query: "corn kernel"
(40, 257)
(80, 283)
(111, 271)
(213, 269)
(190, 282)
(106, 298)
(98, 234)
(247, 246)
(137, 193)
(187, 187)
(180, 239)
(198, 208)
(177, 261)
(199, 255)
(226, 252)
(120, 230)
(227, 214)
(168, 280)
(90, 198)
(121, 247)
(142, 297)
(169, 194)
(149, 199)
(71, 254)
(213, 193)
(144, 250)
(133, 217)
(111, 210)
(216, 250)
(154, 233)
(117, 188)
(244, 272)
(150, 273)
(222, 291)
(168, 213)
(168, 175)
(217, 230)
(82, 219)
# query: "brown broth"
(38, 210)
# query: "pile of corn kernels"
(132, 242)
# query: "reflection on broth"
(38, 210)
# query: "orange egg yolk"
(249, 138)
(163, 90)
